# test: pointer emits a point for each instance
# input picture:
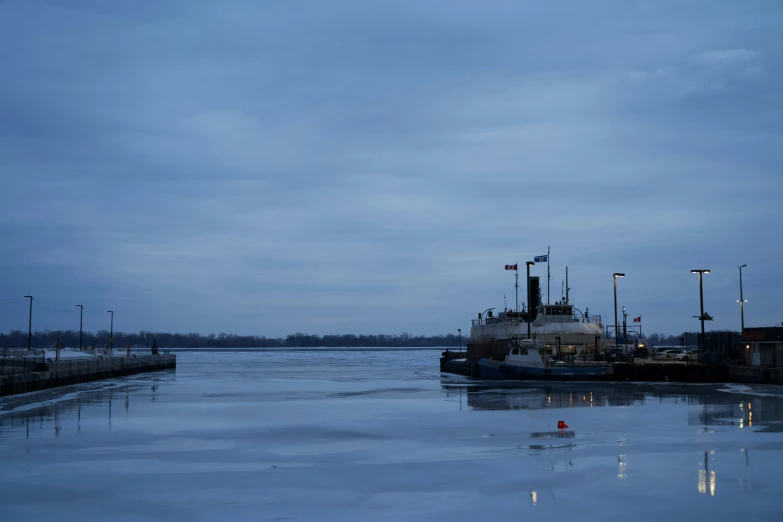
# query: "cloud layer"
(370, 167)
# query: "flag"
(511, 267)
(637, 319)
(541, 259)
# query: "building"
(763, 346)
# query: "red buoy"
(561, 425)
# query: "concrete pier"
(755, 374)
(73, 371)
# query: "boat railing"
(488, 320)
(576, 318)
(592, 319)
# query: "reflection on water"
(704, 473)
(703, 405)
(622, 467)
(717, 407)
(765, 413)
(49, 410)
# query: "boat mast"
(516, 288)
(548, 276)
(566, 284)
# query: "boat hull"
(489, 369)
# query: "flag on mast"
(511, 267)
(541, 259)
(637, 319)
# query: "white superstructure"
(556, 327)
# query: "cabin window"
(524, 351)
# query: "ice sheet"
(380, 436)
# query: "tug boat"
(527, 360)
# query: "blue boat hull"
(489, 369)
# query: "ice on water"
(381, 436)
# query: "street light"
(460, 338)
(741, 300)
(111, 332)
(616, 325)
(30, 324)
(81, 314)
(529, 315)
(703, 317)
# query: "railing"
(576, 318)
(15, 365)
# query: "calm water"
(362, 436)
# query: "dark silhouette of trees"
(70, 338)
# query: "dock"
(647, 371)
(22, 375)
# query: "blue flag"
(540, 259)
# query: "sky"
(370, 167)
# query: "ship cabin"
(562, 312)
(557, 313)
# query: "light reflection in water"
(622, 468)
(704, 475)
(534, 497)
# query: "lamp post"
(111, 332)
(741, 300)
(529, 315)
(30, 324)
(81, 314)
(701, 273)
(459, 330)
(616, 325)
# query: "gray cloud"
(370, 167)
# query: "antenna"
(516, 288)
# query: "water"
(359, 436)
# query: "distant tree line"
(70, 338)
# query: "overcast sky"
(370, 167)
